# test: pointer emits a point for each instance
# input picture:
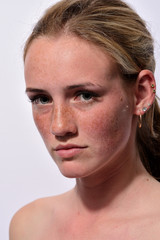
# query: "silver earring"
(144, 109)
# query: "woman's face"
(79, 105)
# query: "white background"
(26, 170)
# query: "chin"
(72, 170)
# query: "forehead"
(67, 58)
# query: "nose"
(63, 122)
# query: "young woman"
(89, 68)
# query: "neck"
(112, 189)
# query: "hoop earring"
(140, 121)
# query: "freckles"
(94, 124)
(97, 125)
(40, 122)
(106, 125)
(68, 114)
(91, 123)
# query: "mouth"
(69, 150)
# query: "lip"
(69, 150)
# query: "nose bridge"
(60, 114)
(62, 121)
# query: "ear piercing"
(144, 109)
(140, 121)
(153, 86)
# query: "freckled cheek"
(104, 126)
(100, 127)
(42, 124)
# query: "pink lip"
(69, 150)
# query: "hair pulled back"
(119, 31)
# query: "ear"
(145, 91)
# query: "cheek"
(107, 126)
(42, 124)
(101, 126)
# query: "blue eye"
(43, 100)
(40, 100)
(87, 96)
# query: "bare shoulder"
(154, 194)
(151, 207)
(22, 219)
(35, 217)
(152, 197)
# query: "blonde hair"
(119, 31)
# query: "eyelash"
(35, 99)
(92, 96)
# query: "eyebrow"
(81, 85)
(34, 90)
(67, 87)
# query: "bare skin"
(78, 98)
(65, 217)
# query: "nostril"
(66, 137)
(65, 129)
(63, 133)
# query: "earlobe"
(144, 92)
